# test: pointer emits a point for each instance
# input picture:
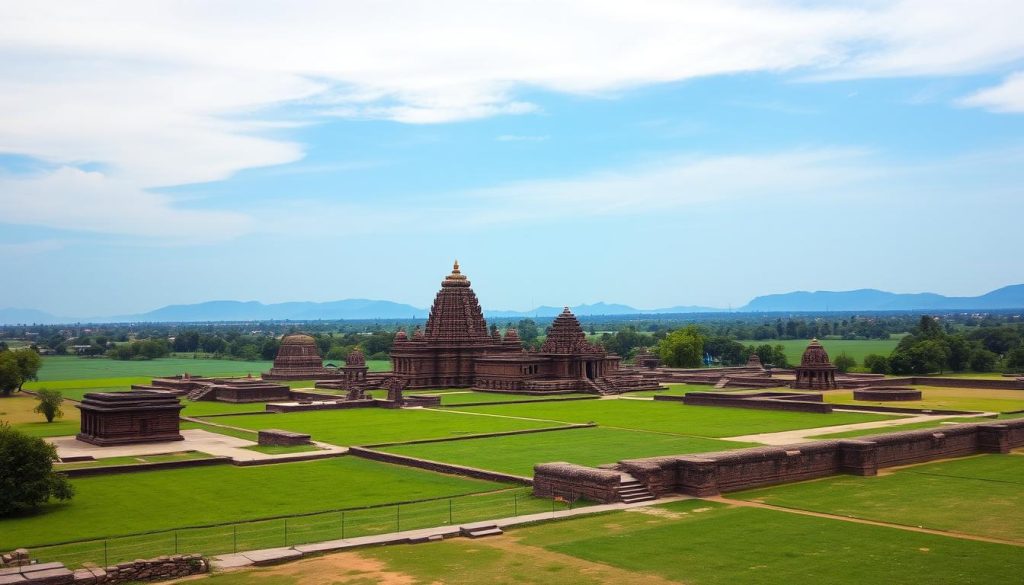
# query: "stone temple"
(815, 371)
(456, 350)
(298, 359)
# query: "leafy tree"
(682, 348)
(983, 360)
(1015, 359)
(770, 355)
(10, 375)
(29, 363)
(959, 353)
(727, 351)
(49, 404)
(877, 364)
(528, 330)
(27, 479)
(844, 362)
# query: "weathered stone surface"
(118, 418)
(272, 556)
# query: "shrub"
(844, 362)
(27, 478)
(49, 404)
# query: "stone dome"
(298, 339)
(511, 334)
(815, 355)
(400, 336)
(298, 351)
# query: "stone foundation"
(887, 393)
(570, 481)
(277, 437)
(760, 400)
(158, 569)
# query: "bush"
(877, 364)
(27, 479)
(844, 362)
(49, 404)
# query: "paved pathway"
(282, 554)
(195, 440)
(805, 435)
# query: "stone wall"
(158, 569)
(707, 474)
(570, 481)
(810, 403)
(437, 466)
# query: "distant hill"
(1008, 297)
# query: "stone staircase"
(602, 386)
(200, 393)
(631, 491)
(480, 531)
(722, 382)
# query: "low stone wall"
(158, 569)
(765, 402)
(982, 383)
(571, 481)
(887, 394)
(438, 466)
(158, 466)
(706, 474)
(279, 438)
(15, 558)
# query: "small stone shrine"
(354, 374)
(119, 418)
(298, 359)
(815, 371)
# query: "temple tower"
(815, 371)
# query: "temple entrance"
(589, 370)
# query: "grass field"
(517, 454)
(855, 348)
(693, 542)
(17, 410)
(208, 407)
(377, 425)
(239, 433)
(115, 461)
(674, 418)
(981, 495)
(282, 449)
(457, 396)
(157, 500)
(946, 399)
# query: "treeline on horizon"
(952, 342)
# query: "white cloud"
(1007, 97)
(173, 92)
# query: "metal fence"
(299, 529)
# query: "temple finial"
(455, 269)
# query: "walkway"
(807, 435)
(195, 440)
(282, 554)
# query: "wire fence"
(300, 529)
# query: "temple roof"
(815, 355)
(298, 339)
(456, 315)
(566, 336)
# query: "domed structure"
(298, 358)
(754, 361)
(815, 371)
(355, 358)
(511, 335)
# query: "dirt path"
(949, 533)
(807, 435)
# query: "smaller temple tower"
(354, 372)
(815, 371)
(298, 358)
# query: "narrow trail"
(908, 528)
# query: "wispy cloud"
(1007, 97)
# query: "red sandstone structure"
(456, 350)
(298, 359)
(119, 418)
(815, 371)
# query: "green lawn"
(282, 449)
(457, 396)
(937, 424)
(517, 454)
(855, 348)
(675, 418)
(239, 433)
(947, 399)
(157, 500)
(115, 461)
(207, 407)
(364, 426)
(982, 495)
(17, 410)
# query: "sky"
(652, 153)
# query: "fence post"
(515, 504)
(343, 524)
(234, 537)
(398, 517)
(175, 542)
(106, 563)
(286, 532)
(449, 510)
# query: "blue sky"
(654, 154)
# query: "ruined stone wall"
(159, 569)
(765, 403)
(571, 481)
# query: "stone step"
(481, 531)
(423, 539)
(637, 499)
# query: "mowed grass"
(365, 426)
(982, 495)
(517, 454)
(946, 399)
(675, 418)
(457, 396)
(935, 424)
(134, 460)
(855, 348)
(17, 411)
(157, 500)
(693, 542)
(208, 407)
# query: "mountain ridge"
(1007, 297)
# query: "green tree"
(10, 375)
(877, 364)
(1015, 360)
(27, 479)
(29, 363)
(527, 330)
(844, 362)
(983, 360)
(49, 404)
(682, 348)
